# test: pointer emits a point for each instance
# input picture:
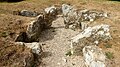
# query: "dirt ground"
(55, 41)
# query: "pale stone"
(51, 9)
(79, 18)
(93, 56)
(91, 35)
(35, 27)
(35, 47)
(28, 13)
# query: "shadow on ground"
(47, 34)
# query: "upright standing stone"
(35, 27)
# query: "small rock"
(58, 63)
(50, 10)
(93, 56)
(65, 60)
(96, 42)
(36, 47)
(28, 13)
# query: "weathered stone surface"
(50, 15)
(70, 15)
(28, 13)
(79, 18)
(91, 35)
(93, 56)
(50, 10)
(35, 27)
(41, 22)
(36, 47)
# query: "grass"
(109, 55)
(108, 45)
(4, 33)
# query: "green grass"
(109, 55)
(4, 34)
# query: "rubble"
(93, 56)
(79, 18)
(91, 35)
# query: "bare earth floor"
(56, 44)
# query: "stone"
(98, 30)
(35, 27)
(50, 15)
(94, 56)
(50, 10)
(66, 8)
(70, 16)
(91, 35)
(28, 13)
(35, 47)
(79, 19)
(64, 59)
(84, 25)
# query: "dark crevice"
(22, 37)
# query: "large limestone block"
(91, 35)
(93, 56)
